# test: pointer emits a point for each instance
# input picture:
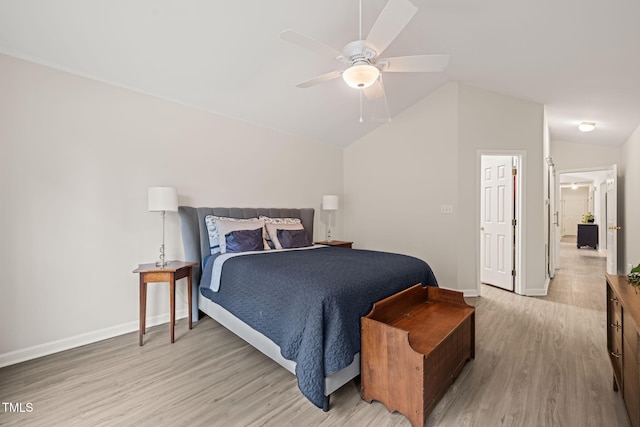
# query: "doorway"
(500, 212)
(600, 188)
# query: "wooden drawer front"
(614, 334)
(616, 326)
(614, 330)
(614, 312)
(615, 354)
(615, 307)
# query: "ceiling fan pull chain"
(361, 106)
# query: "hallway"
(579, 280)
(540, 361)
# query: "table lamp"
(330, 204)
(162, 199)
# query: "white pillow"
(269, 220)
(214, 237)
(225, 226)
(272, 230)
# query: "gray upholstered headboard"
(195, 237)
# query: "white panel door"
(496, 201)
(612, 220)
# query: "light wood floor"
(539, 362)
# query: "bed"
(300, 306)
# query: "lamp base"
(162, 263)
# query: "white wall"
(491, 122)
(77, 159)
(628, 213)
(397, 178)
(575, 156)
(569, 220)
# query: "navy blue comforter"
(309, 302)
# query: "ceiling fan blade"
(416, 63)
(380, 111)
(374, 91)
(309, 43)
(393, 18)
(320, 79)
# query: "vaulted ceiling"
(581, 59)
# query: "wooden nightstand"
(150, 273)
(336, 243)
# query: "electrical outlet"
(446, 209)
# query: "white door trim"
(612, 221)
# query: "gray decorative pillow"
(244, 241)
(293, 238)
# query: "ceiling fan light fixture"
(360, 76)
(587, 126)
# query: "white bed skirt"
(269, 348)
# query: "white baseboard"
(540, 292)
(536, 293)
(466, 293)
(45, 349)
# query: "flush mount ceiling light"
(360, 76)
(587, 126)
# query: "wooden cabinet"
(623, 319)
(414, 345)
(587, 235)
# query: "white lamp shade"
(330, 203)
(163, 199)
(360, 76)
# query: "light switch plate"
(446, 209)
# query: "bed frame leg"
(325, 404)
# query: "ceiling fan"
(360, 59)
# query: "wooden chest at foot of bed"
(414, 345)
